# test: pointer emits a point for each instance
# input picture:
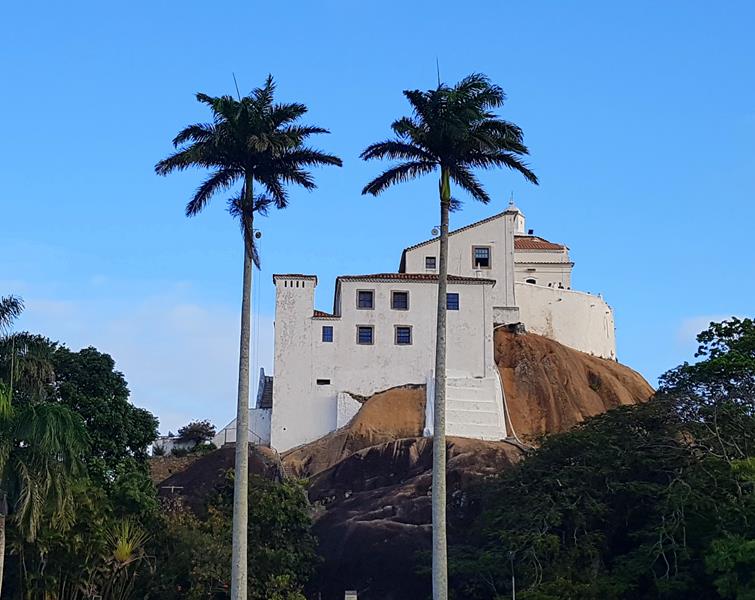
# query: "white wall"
(304, 411)
(544, 273)
(490, 233)
(576, 319)
(259, 429)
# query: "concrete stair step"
(483, 432)
(472, 417)
(469, 382)
(470, 395)
(472, 405)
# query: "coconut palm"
(250, 140)
(454, 131)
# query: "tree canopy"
(651, 501)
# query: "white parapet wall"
(259, 429)
(576, 319)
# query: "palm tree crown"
(452, 128)
(251, 137)
(10, 309)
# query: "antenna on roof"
(511, 198)
(236, 84)
(437, 69)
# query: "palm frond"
(503, 159)
(463, 177)
(217, 182)
(11, 308)
(396, 150)
(198, 132)
(306, 157)
(398, 174)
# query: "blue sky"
(640, 118)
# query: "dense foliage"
(98, 529)
(193, 553)
(653, 501)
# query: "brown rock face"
(550, 388)
(372, 488)
(387, 416)
(203, 475)
(375, 512)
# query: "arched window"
(530, 280)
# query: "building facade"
(381, 331)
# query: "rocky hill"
(370, 480)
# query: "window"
(430, 263)
(452, 301)
(323, 382)
(530, 280)
(400, 300)
(365, 334)
(327, 333)
(365, 299)
(403, 335)
(481, 257)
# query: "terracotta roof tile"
(414, 277)
(319, 314)
(532, 242)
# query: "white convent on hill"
(381, 332)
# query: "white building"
(381, 332)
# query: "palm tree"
(452, 130)
(10, 309)
(250, 140)
(41, 448)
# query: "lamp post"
(513, 575)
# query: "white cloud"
(180, 358)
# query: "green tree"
(120, 433)
(197, 432)
(41, 451)
(453, 130)
(645, 502)
(88, 383)
(193, 557)
(252, 139)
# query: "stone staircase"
(474, 408)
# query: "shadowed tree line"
(652, 501)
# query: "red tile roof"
(318, 314)
(414, 277)
(455, 231)
(533, 242)
(521, 242)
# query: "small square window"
(327, 333)
(403, 335)
(365, 334)
(430, 263)
(481, 257)
(452, 301)
(365, 299)
(400, 300)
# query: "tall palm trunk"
(241, 472)
(440, 560)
